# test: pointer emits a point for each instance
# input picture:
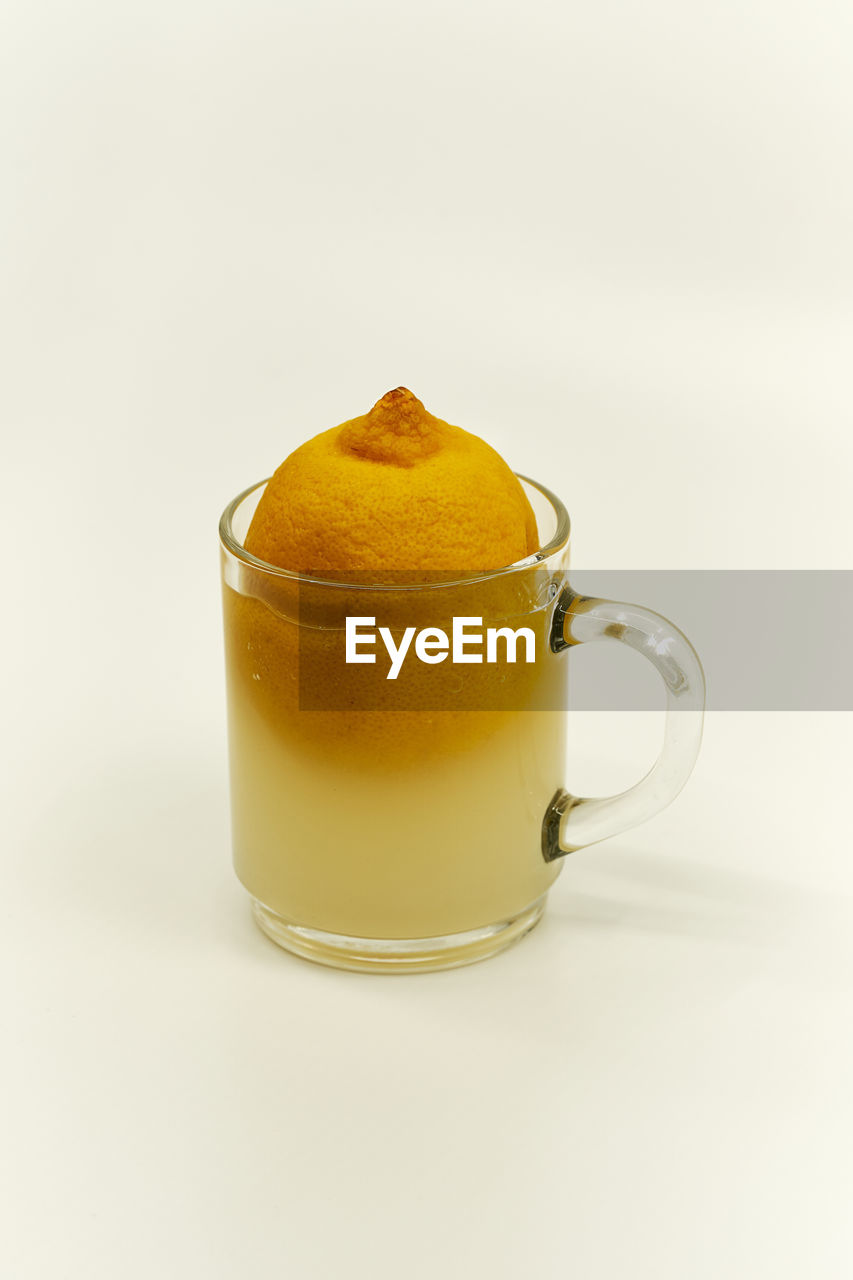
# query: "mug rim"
(559, 541)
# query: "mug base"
(396, 955)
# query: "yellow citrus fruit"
(393, 493)
(394, 497)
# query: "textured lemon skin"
(393, 491)
(395, 496)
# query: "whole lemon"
(395, 493)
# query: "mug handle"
(571, 822)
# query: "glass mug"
(414, 824)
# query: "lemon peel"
(396, 490)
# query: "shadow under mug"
(404, 826)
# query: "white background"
(612, 238)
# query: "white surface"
(615, 242)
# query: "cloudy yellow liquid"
(436, 834)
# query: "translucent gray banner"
(769, 640)
(778, 640)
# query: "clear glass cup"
(416, 824)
